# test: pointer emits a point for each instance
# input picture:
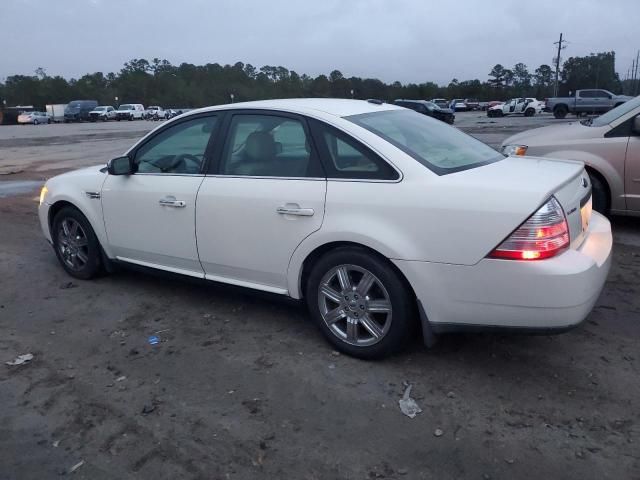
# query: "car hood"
(554, 134)
(86, 179)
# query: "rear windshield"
(439, 147)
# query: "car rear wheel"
(76, 244)
(529, 112)
(360, 303)
(560, 111)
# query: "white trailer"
(56, 112)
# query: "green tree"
(497, 75)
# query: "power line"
(560, 47)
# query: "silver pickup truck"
(585, 101)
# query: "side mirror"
(636, 125)
(121, 166)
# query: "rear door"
(262, 198)
(586, 101)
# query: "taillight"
(544, 235)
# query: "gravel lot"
(243, 386)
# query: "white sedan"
(35, 118)
(380, 218)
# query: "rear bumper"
(547, 295)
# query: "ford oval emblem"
(585, 182)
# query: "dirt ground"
(243, 386)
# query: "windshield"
(439, 147)
(126, 107)
(74, 105)
(616, 113)
(99, 109)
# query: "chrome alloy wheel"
(355, 305)
(73, 244)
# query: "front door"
(267, 194)
(632, 172)
(150, 215)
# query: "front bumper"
(553, 294)
(43, 216)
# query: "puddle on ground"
(17, 187)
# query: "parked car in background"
(156, 113)
(483, 105)
(472, 103)
(375, 216)
(103, 112)
(78, 110)
(441, 102)
(130, 111)
(56, 112)
(585, 101)
(458, 105)
(34, 118)
(428, 108)
(523, 106)
(609, 145)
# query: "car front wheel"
(76, 244)
(599, 195)
(360, 303)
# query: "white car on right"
(523, 106)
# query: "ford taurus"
(381, 219)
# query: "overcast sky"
(405, 40)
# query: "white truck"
(155, 112)
(56, 112)
(523, 106)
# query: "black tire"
(560, 111)
(402, 317)
(599, 194)
(529, 112)
(92, 267)
(36, 122)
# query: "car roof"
(338, 107)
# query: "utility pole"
(635, 75)
(560, 47)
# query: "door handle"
(172, 202)
(302, 212)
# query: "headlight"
(518, 150)
(43, 193)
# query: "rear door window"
(344, 157)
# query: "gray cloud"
(406, 40)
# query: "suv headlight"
(518, 150)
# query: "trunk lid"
(492, 201)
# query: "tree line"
(158, 82)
